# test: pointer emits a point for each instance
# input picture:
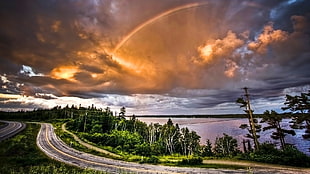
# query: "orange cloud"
(231, 68)
(219, 48)
(64, 72)
(56, 26)
(266, 38)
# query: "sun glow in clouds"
(64, 72)
(206, 52)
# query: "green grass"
(175, 160)
(211, 166)
(20, 154)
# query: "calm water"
(210, 128)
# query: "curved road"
(10, 128)
(49, 143)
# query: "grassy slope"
(20, 154)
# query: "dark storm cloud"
(43, 34)
(92, 69)
(20, 105)
(195, 58)
(286, 9)
(7, 66)
(285, 62)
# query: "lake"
(210, 128)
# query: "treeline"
(57, 112)
(134, 136)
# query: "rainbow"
(152, 20)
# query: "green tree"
(185, 140)
(189, 141)
(122, 111)
(273, 119)
(299, 105)
(126, 140)
(207, 149)
(226, 146)
(154, 133)
(169, 132)
(108, 112)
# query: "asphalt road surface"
(51, 145)
(10, 128)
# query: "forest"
(127, 136)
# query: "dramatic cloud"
(268, 37)
(220, 48)
(163, 57)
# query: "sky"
(172, 57)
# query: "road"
(10, 128)
(51, 145)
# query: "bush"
(191, 161)
(151, 160)
(143, 149)
(292, 156)
(268, 153)
(96, 138)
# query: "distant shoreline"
(286, 115)
(196, 116)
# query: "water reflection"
(210, 128)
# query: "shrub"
(151, 160)
(143, 149)
(268, 153)
(191, 161)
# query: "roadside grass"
(210, 166)
(119, 155)
(2, 124)
(20, 155)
